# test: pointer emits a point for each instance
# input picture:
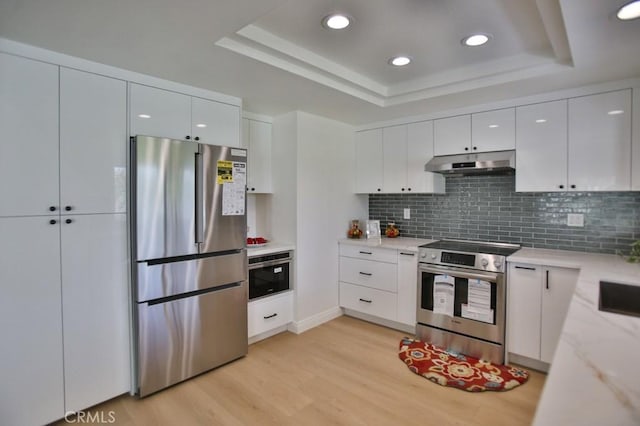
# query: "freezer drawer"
(181, 338)
(157, 280)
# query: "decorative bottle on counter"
(391, 231)
(354, 231)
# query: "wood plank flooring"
(344, 372)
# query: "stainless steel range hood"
(497, 162)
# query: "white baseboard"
(266, 334)
(301, 326)
(527, 362)
(409, 329)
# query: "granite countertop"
(594, 377)
(271, 247)
(398, 243)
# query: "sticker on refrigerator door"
(225, 172)
(234, 190)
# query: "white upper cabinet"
(159, 112)
(93, 138)
(419, 151)
(29, 130)
(479, 132)
(369, 165)
(215, 123)
(493, 130)
(600, 142)
(394, 159)
(257, 139)
(452, 135)
(541, 147)
(635, 148)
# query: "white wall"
(324, 204)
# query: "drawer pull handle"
(526, 267)
(366, 273)
(365, 252)
(270, 316)
(407, 254)
(365, 300)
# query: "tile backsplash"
(487, 208)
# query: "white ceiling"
(277, 57)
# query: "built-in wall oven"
(462, 297)
(270, 274)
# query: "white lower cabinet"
(95, 304)
(63, 315)
(381, 282)
(368, 300)
(270, 313)
(538, 301)
(31, 370)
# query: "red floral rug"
(457, 370)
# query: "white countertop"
(398, 243)
(595, 376)
(271, 247)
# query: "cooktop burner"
(500, 249)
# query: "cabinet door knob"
(68, 221)
(402, 189)
(187, 137)
(408, 189)
(52, 208)
(197, 138)
(475, 147)
(466, 148)
(68, 208)
(573, 187)
(53, 222)
(561, 186)
(253, 189)
(378, 189)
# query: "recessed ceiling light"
(475, 40)
(541, 120)
(336, 21)
(493, 126)
(144, 116)
(201, 125)
(629, 11)
(615, 112)
(400, 61)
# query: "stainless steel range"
(462, 297)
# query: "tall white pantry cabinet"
(63, 254)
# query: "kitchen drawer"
(368, 300)
(369, 253)
(379, 275)
(270, 312)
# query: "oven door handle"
(269, 263)
(461, 273)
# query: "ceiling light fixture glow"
(493, 126)
(336, 21)
(400, 61)
(144, 116)
(541, 120)
(615, 112)
(475, 40)
(201, 125)
(629, 11)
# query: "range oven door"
(468, 289)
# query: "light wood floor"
(345, 372)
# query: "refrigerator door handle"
(199, 219)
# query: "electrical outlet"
(407, 213)
(575, 219)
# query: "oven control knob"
(433, 256)
(497, 264)
(484, 262)
(423, 255)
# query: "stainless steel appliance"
(496, 162)
(270, 274)
(189, 262)
(462, 297)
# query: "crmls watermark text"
(99, 417)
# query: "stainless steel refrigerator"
(189, 262)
